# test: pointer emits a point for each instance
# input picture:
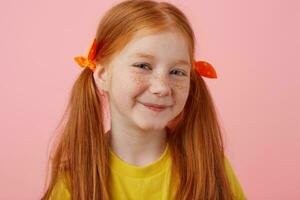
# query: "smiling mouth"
(156, 108)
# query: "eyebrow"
(144, 55)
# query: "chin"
(146, 126)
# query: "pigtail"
(81, 157)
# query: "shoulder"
(60, 190)
(234, 182)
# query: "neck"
(137, 148)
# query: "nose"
(160, 86)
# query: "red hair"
(195, 138)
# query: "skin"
(138, 134)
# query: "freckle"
(179, 86)
(139, 80)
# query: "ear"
(101, 78)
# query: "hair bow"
(89, 61)
(205, 69)
(202, 68)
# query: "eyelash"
(138, 65)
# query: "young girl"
(164, 140)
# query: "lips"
(155, 105)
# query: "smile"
(155, 108)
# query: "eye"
(147, 66)
(181, 73)
(141, 65)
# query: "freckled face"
(150, 69)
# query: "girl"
(164, 140)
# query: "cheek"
(128, 87)
(140, 82)
(181, 89)
(180, 85)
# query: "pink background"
(254, 46)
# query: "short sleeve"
(234, 182)
(60, 191)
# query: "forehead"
(164, 46)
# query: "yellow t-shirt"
(129, 182)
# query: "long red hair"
(195, 139)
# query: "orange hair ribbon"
(205, 69)
(89, 61)
(202, 68)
